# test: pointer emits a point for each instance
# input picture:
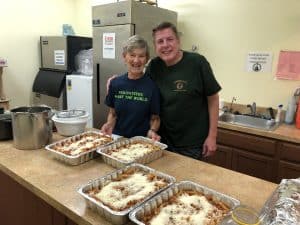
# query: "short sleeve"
(110, 100)
(211, 85)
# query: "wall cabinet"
(261, 157)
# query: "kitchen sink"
(249, 121)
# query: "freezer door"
(105, 66)
(79, 94)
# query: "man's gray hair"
(136, 42)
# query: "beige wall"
(224, 30)
(22, 23)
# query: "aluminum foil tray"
(148, 207)
(143, 160)
(283, 206)
(118, 217)
(80, 158)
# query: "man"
(189, 95)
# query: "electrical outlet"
(195, 47)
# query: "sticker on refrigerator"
(59, 57)
(109, 45)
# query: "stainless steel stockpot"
(32, 127)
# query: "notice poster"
(59, 57)
(109, 45)
(259, 62)
(288, 67)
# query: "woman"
(133, 98)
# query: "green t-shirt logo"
(180, 85)
(131, 95)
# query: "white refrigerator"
(79, 94)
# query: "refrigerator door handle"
(98, 83)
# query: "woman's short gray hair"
(136, 42)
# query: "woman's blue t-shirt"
(134, 102)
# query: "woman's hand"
(107, 129)
(153, 135)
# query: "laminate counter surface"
(283, 132)
(57, 183)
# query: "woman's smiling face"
(135, 60)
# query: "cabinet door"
(222, 157)
(254, 164)
(289, 161)
(249, 142)
(288, 170)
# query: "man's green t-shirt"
(184, 88)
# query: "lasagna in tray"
(188, 207)
(128, 189)
(82, 143)
(133, 150)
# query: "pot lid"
(70, 113)
(5, 117)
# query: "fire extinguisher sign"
(259, 62)
(109, 45)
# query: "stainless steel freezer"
(113, 24)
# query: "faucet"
(232, 100)
(252, 108)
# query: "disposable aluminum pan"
(76, 159)
(283, 206)
(117, 163)
(150, 206)
(118, 217)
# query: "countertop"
(283, 132)
(57, 183)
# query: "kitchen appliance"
(113, 24)
(5, 127)
(4, 102)
(79, 94)
(32, 127)
(57, 60)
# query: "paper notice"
(59, 57)
(109, 45)
(288, 67)
(259, 62)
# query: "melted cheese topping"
(188, 209)
(125, 193)
(132, 151)
(85, 143)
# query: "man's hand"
(209, 147)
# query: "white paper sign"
(109, 45)
(59, 57)
(259, 62)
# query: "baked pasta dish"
(128, 189)
(82, 143)
(188, 207)
(132, 151)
